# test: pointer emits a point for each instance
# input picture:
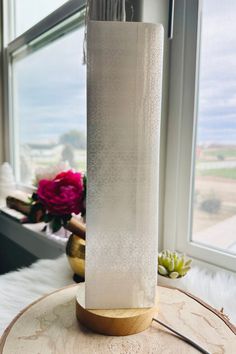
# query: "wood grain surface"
(49, 326)
(113, 322)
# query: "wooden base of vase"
(120, 322)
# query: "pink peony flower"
(63, 195)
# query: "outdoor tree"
(68, 155)
(75, 138)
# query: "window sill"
(29, 237)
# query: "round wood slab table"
(49, 326)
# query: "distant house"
(45, 150)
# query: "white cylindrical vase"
(124, 110)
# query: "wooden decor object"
(117, 322)
(49, 325)
(76, 227)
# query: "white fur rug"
(18, 289)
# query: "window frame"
(182, 121)
(50, 23)
(181, 118)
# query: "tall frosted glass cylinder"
(124, 79)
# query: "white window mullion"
(174, 126)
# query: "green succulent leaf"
(166, 262)
(188, 262)
(184, 270)
(174, 275)
(162, 270)
(176, 263)
(180, 264)
(171, 265)
(160, 259)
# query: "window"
(46, 88)
(27, 12)
(200, 205)
(214, 214)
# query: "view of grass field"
(216, 162)
(221, 172)
(230, 152)
(215, 195)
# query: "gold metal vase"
(75, 251)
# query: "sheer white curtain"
(107, 10)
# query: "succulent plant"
(172, 264)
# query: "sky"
(50, 90)
(217, 85)
(29, 12)
(49, 84)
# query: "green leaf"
(162, 270)
(176, 263)
(181, 263)
(85, 181)
(188, 262)
(174, 275)
(65, 219)
(171, 265)
(160, 259)
(30, 199)
(35, 197)
(48, 218)
(56, 224)
(184, 271)
(166, 262)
